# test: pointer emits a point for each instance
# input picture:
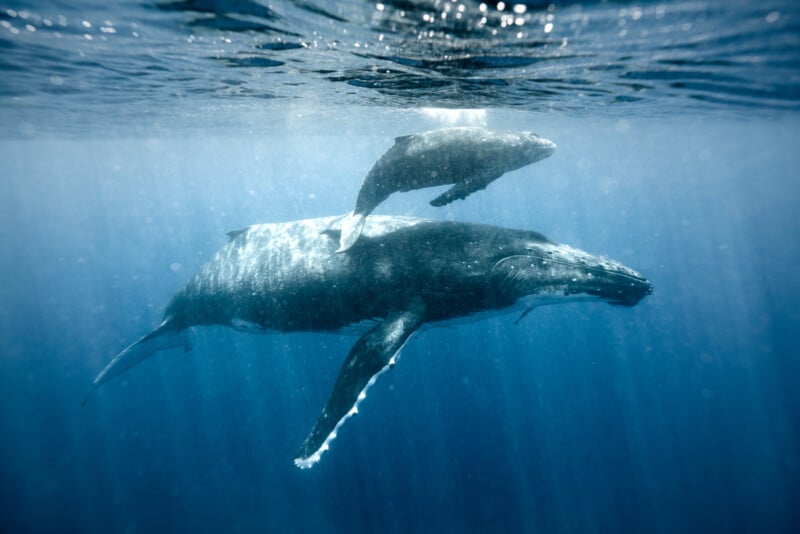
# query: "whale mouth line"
(623, 275)
(595, 270)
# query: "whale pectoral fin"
(462, 190)
(165, 336)
(373, 353)
(524, 313)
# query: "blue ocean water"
(134, 136)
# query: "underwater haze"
(135, 134)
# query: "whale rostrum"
(403, 274)
(468, 157)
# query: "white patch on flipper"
(395, 333)
(306, 463)
(314, 458)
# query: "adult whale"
(468, 157)
(404, 273)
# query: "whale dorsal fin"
(233, 234)
(332, 233)
(403, 139)
(373, 353)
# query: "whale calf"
(402, 274)
(468, 157)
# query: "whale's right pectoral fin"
(373, 353)
(165, 336)
(352, 225)
(462, 190)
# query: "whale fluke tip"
(352, 225)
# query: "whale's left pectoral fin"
(462, 190)
(524, 313)
(374, 352)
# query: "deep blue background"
(680, 414)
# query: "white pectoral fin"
(164, 336)
(372, 354)
(352, 225)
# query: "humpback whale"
(468, 157)
(403, 274)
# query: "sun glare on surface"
(456, 116)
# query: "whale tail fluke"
(352, 225)
(165, 336)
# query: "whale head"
(542, 272)
(523, 148)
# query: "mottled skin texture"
(285, 276)
(402, 274)
(469, 158)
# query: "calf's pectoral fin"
(373, 353)
(462, 190)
